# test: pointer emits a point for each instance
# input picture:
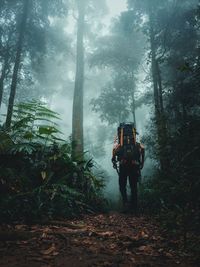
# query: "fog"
(56, 81)
(62, 99)
(118, 47)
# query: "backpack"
(129, 149)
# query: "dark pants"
(132, 172)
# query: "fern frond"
(26, 148)
(47, 115)
(34, 121)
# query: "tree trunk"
(4, 72)
(133, 100)
(77, 117)
(3, 75)
(158, 101)
(160, 89)
(17, 63)
(153, 64)
(133, 109)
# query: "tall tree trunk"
(17, 63)
(77, 117)
(4, 71)
(160, 88)
(158, 101)
(133, 100)
(154, 64)
(3, 75)
(133, 109)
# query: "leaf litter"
(99, 240)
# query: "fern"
(34, 122)
(37, 169)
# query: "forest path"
(112, 239)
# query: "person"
(129, 155)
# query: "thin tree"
(77, 117)
(17, 62)
(158, 97)
(2, 77)
(5, 67)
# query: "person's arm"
(114, 154)
(142, 156)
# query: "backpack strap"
(134, 135)
(122, 137)
(142, 154)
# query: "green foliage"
(38, 178)
(43, 203)
(93, 185)
(173, 136)
(114, 102)
(149, 198)
(121, 51)
(34, 122)
(173, 193)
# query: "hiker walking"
(128, 160)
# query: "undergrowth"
(38, 179)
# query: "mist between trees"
(142, 67)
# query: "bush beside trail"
(38, 178)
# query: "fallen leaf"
(23, 242)
(145, 248)
(128, 253)
(133, 260)
(49, 250)
(87, 242)
(168, 255)
(44, 235)
(144, 235)
(20, 226)
(113, 246)
(104, 234)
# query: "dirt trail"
(116, 240)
